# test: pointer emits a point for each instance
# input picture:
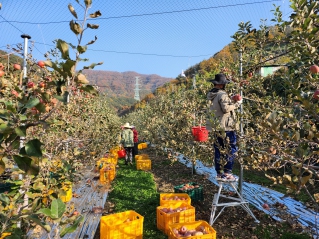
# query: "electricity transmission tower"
(137, 89)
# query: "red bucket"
(121, 153)
(200, 133)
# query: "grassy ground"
(139, 191)
(136, 190)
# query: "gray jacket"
(127, 138)
(221, 113)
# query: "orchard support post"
(22, 139)
(241, 175)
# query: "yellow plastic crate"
(180, 212)
(196, 225)
(67, 187)
(107, 173)
(144, 145)
(143, 164)
(140, 146)
(128, 225)
(174, 198)
(110, 159)
(142, 156)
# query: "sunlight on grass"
(136, 190)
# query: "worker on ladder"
(222, 117)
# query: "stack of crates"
(175, 211)
(174, 208)
(107, 166)
(128, 224)
(178, 212)
(143, 162)
(107, 173)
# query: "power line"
(147, 54)
(154, 13)
(5, 20)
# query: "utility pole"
(137, 89)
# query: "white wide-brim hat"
(127, 125)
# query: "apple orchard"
(51, 121)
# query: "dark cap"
(220, 79)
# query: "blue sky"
(160, 37)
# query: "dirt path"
(234, 222)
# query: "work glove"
(240, 101)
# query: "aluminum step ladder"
(234, 201)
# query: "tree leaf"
(57, 208)
(2, 166)
(73, 227)
(60, 98)
(91, 42)
(36, 219)
(89, 89)
(305, 177)
(92, 26)
(75, 27)
(41, 107)
(88, 3)
(96, 14)
(92, 65)
(72, 10)
(23, 163)
(45, 211)
(21, 131)
(4, 199)
(31, 103)
(81, 49)
(64, 49)
(33, 148)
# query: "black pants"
(135, 150)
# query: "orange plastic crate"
(211, 233)
(174, 198)
(164, 219)
(128, 225)
(143, 164)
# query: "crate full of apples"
(180, 212)
(173, 198)
(194, 230)
(194, 190)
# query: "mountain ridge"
(123, 84)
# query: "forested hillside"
(119, 86)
